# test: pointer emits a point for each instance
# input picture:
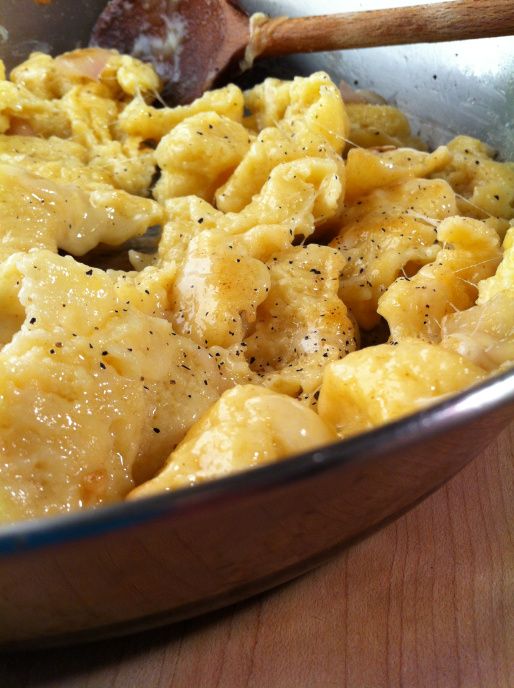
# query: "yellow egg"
(382, 383)
(236, 342)
(249, 426)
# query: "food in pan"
(318, 273)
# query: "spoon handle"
(447, 21)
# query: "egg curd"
(318, 273)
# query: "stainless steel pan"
(145, 563)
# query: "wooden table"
(426, 602)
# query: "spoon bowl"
(194, 44)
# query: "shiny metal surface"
(169, 557)
(172, 556)
(449, 88)
(61, 25)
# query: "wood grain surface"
(427, 602)
(444, 21)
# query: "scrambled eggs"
(318, 273)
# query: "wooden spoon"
(193, 43)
